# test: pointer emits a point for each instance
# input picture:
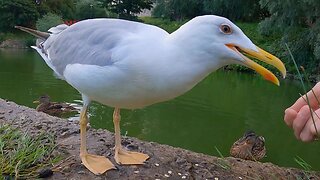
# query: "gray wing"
(87, 42)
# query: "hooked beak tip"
(261, 55)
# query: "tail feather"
(39, 34)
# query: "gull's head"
(226, 43)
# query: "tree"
(243, 10)
(86, 9)
(48, 21)
(17, 12)
(178, 9)
(64, 8)
(298, 24)
(127, 9)
(236, 10)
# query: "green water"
(214, 114)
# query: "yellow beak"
(36, 102)
(261, 55)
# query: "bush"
(236, 10)
(17, 12)
(29, 41)
(86, 9)
(297, 23)
(178, 9)
(165, 24)
(2, 37)
(47, 21)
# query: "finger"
(300, 121)
(289, 116)
(313, 100)
(298, 104)
(315, 126)
(315, 132)
(306, 134)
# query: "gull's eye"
(225, 28)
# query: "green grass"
(221, 162)
(302, 163)
(21, 155)
(305, 166)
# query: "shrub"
(297, 23)
(47, 21)
(86, 9)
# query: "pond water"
(213, 114)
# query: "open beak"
(261, 55)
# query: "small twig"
(306, 102)
(16, 169)
(312, 113)
(307, 79)
(56, 167)
(303, 86)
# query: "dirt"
(165, 162)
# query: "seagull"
(130, 65)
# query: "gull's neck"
(197, 51)
(186, 60)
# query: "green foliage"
(17, 12)
(165, 24)
(298, 24)
(22, 155)
(86, 9)
(29, 41)
(178, 9)
(47, 21)
(127, 9)
(64, 8)
(27, 12)
(2, 37)
(237, 10)
(243, 10)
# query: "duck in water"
(53, 108)
(249, 147)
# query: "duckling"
(53, 108)
(249, 147)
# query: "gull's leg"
(122, 156)
(96, 164)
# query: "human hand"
(299, 118)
